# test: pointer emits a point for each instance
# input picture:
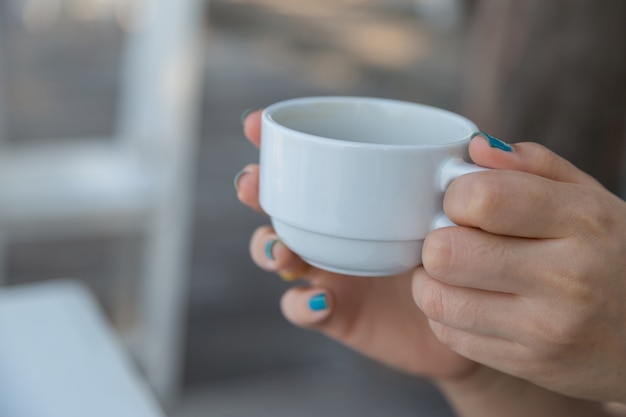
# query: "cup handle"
(449, 171)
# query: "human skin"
(379, 318)
(376, 317)
(542, 245)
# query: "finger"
(497, 353)
(475, 311)
(472, 258)
(252, 126)
(514, 203)
(616, 409)
(375, 317)
(306, 307)
(528, 157)
(500, 354)
(270, 254)
(247, 186)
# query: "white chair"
(139, 182)
(60, 358)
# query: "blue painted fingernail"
(269, 247)
(318, 302)
(245, 114)
(238, 177)
(495, 142)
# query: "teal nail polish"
(318, 302)
(495, 142)
(269, 247)
(238, 177)
(245, 114)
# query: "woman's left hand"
(376, 317)
(533, 282)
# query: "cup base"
(351, 256)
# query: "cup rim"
(268, 112)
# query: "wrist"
(480, 382)
(489, 393)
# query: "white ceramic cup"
(353, 185)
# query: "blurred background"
(118, 163)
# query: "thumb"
(490, 152)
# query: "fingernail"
(318, 302)
(290, 276)
(495, 142)
(269, 247)
(238, 177)
(245, 114)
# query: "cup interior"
(373, 121)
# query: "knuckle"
(438, 253)
(485, 195)
(559, 338)
(542, 156)
(592, 218)
(444, 334)
(581, 293)
(455, 340)
(470, 315)
(578, 282)
(449, 253)
(430, 299)
(444, 304)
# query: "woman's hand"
(533, 283)
(379, 318)
(374, 316)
